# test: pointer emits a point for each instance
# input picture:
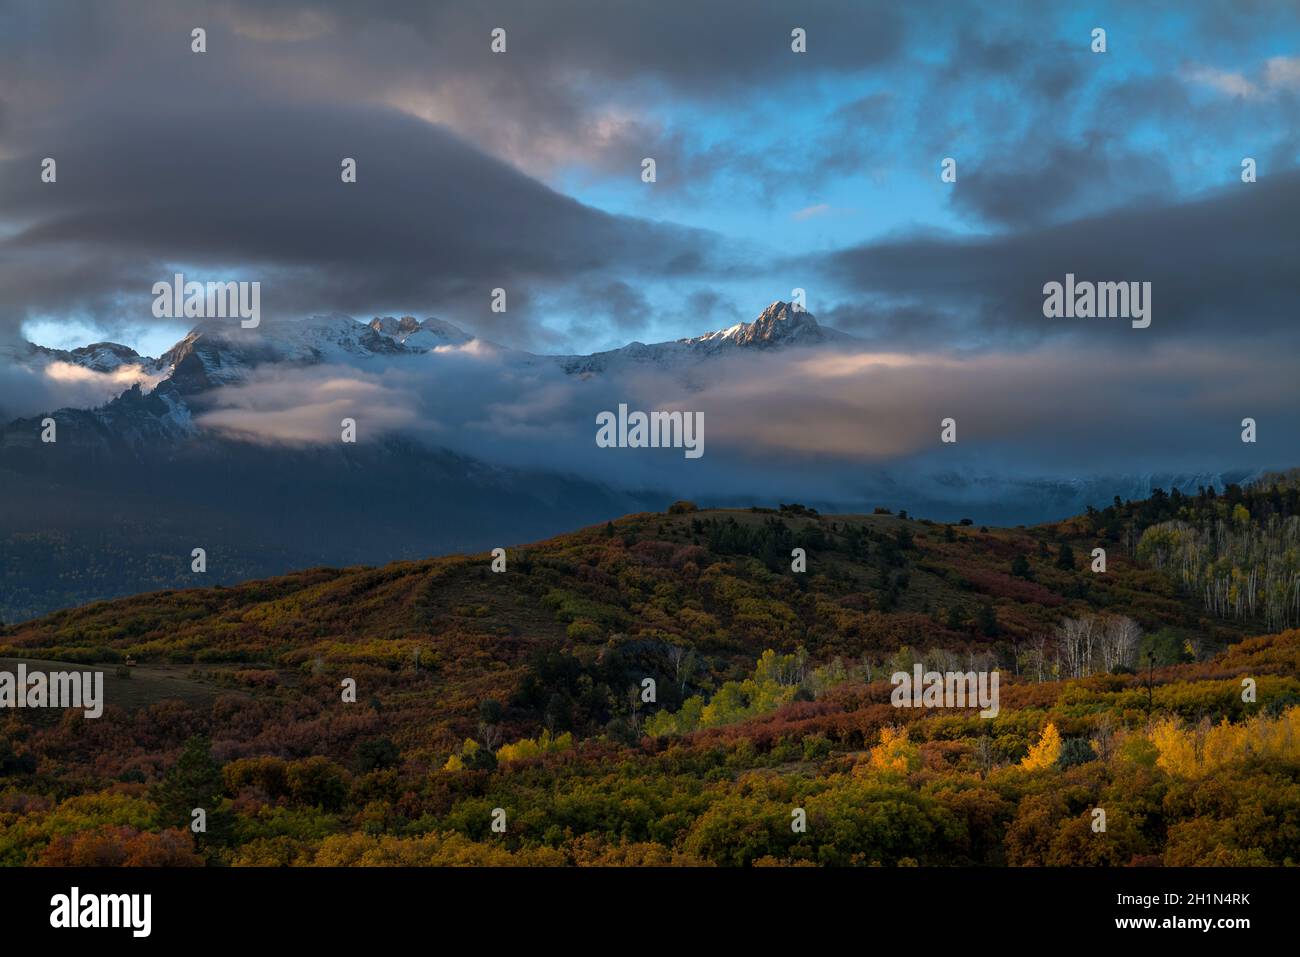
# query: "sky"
(522, 170)
(775, 170)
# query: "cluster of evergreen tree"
(592, 697)
(771, 542)
(1274, 495)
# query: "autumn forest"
(670, 688)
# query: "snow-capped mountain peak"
(97, 357)
(420, 336)
(219, 352)
(106, 356)
(780, 324)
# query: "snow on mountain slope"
(779, 326)
(97, 357)
(158, 401)
(218, 352)
(104, 356)
(420, 336)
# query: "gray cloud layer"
(229, 163)
(1221, 267)
(231, 158)
(257, 189)
(821, 421)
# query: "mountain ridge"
(216, 353)
(221, 349)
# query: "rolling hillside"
(524, 690)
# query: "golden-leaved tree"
(1044, 754)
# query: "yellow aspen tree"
(895, 754)
(1044, 754)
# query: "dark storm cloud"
(707, 49)
(1221, 266)
(615, 302)
(266, 181)
(1043, 182)
(230, 160)
(257, 188)
(582, 80)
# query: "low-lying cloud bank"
(821, 424)
(29, 388)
